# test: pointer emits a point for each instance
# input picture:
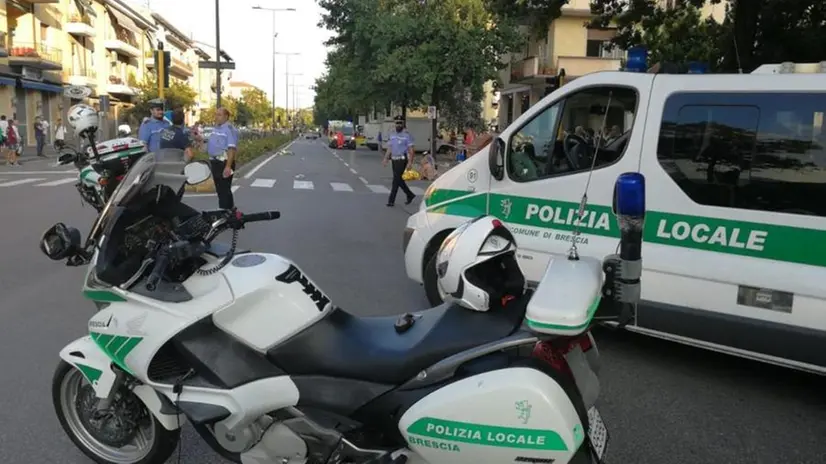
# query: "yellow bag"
(410, 175)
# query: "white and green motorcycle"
(249, 350)
(101, 166)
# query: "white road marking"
(378, 188)
(58, 182)
(266, 183)
(303, 184)
(341, 187)
(20, 182)
(269, 158)
(353, 171)
(363, 180)
(345, 163)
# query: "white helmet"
(476, 264)
(83, 119)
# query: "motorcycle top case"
(508, 415)
(120, 146)
(567, 297)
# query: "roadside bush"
(250, 148)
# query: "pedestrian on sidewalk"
(150, 130)
(12, 145)
(40, 128)
(175, 137)
(59, 135)
(400, 153)
(222, 147)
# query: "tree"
(754, 32)
(256, 106)
(178, 95)
(410, 53)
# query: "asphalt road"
(663, 403)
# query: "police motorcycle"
(100, 165)
(247, 348)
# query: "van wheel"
(431, 285)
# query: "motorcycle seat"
(343, 345)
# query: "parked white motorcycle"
(268, 370)
(102, 165)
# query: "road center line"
(262, 163)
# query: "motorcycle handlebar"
(262, 216)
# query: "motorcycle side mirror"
(197, 172)
(60, 241)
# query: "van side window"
(590, 127)
(759, 151)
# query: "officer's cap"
(399, 118)
(156, 103)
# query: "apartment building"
(236, 88)
(105, 45)
(570, 46)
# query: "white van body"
(735, 235)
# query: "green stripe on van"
(765, 241)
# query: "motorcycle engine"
(263, 442)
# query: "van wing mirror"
(496, 159)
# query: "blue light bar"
(637, 60)
(629, 195)
(696, 67)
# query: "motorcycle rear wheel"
(151, 443)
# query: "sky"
(246, 35)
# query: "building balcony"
(531, 70)
(83, 76)
(576, 66)
(79, 25)
(117, 85)
(181, 67)
(35, 55)
(123, 42)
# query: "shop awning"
(86, 7)
(8, 81)
(124, 21)
(41, 86)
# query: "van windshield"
(347, 130)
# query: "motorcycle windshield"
(135, 181)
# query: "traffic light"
(163, 60)
(553, 83)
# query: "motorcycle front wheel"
(125, 433)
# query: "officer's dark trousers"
(398, 183)
(223, 185)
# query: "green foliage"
(178, 95)
(256, 108)
(250, 148)
(408, 53)
(765, 31)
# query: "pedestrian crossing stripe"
(334, 186)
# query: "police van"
(735, 234)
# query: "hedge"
(252, 147)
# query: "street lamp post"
(295, 106)
(287, 79)
(273, 11)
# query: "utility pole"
(273, 11)
(287, 81)
(218, 52)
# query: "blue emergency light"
(637, 60)
(696, 67)
(629, 195)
